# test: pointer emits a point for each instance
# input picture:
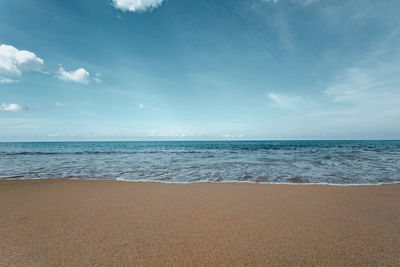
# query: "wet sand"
(111, 223)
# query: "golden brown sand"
(110, 223)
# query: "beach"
(64, 222)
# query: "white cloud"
(60, 104)
(77, 76)
(136, 5)
(13, 62)
(11, 107)
(140, 106)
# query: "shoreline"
(200, 182)
(92, 222)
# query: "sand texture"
(111, 223)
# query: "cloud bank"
(14, 62)
(136, 5)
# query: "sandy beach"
(111, 223)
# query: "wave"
(256, 162)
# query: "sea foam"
(278, 162)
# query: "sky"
(199, 70)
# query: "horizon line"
(193, 140)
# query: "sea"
(278, 162)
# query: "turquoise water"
(332, 162)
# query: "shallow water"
(332, 162)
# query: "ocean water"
(323, 162)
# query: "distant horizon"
(197, 140)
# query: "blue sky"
(199, 70)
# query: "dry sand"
(110, 223)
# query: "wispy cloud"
(14, 62)
(60, 104)
(303, 2)
(11, 107)
(97, 79)
(142, 106)
(285, 33)
(367, 90)
(372, 87)
(77, 76)
(174, 134)
(232, 136)
(271, 1)
(136, 5)
(290, 102)
(8, 80)
(363, 100)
